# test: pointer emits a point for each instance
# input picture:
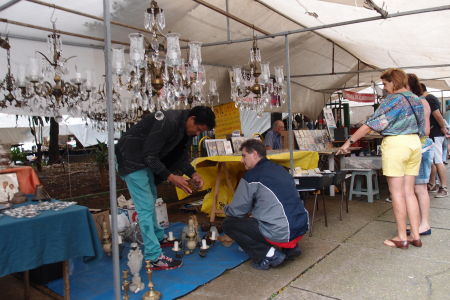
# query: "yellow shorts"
(401, 155)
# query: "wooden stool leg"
(66, 280)
(26, 281)
(212, 217)
(313, 216)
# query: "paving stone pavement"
(347, 260)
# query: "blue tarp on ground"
(94, 281)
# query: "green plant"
(18, 155)
(101, 154)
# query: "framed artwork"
(237, 141)
(221, 147)
(228, 148)
(8, 186)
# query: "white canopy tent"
(320, 63)
(413, 40)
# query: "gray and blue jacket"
(268, 192)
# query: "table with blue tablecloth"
(52, 236)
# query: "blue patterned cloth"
(395, 117)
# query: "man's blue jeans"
(141, 185)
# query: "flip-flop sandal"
(415, 243)
(398, 244)
(426, 232)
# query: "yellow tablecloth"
(207, 168)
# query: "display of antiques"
(151, 294)
(312, 140)
(32, 210)
(190, 236)
(135, 258)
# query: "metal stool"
(372, 184)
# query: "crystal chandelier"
(49, 97)
(253, 88)
(159, 78)
(8, 87)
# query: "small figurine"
(135, 264)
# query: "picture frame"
(9, 185)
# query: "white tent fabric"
(413, 40)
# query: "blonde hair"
(397, 76)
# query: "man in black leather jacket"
(153, 151)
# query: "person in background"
(422, 179)
(438, 130)
(266, 211)
(272, 140)
(400, 119)
(447, 120)
(155, 150)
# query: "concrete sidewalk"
(347, 260)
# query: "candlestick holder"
(151, 294)
(203, 249)
(106, 239)
(125, 284)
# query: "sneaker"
(388, 200)
(164, 243)
(267, 262)
(165, 263)
(443, 192)
(433, 188)
(292, 253)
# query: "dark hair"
(424, 87)
(414, 84)
(254, 145)
(203, 116)
(397, 77)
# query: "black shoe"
(165, 263)
(267, 262)
(292, 253)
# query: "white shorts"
(438, 148)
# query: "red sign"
(357, 97)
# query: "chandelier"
(158, 78)
(52, 97)
(8, 87)
(253, 88)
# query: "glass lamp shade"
(21, 73)
(265, 73)
(137, 50)
(237, 75)
(89, 82)
(161, 19)
(279, 75)
(118, 60)
(195, 56)
(149, 21)
(34, 69)
(212, 87)
(173, 56)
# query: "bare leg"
(412, 206)
(433, 175)
(399, 206)
(442, 176)
(424, 206)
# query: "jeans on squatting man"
(153, 151)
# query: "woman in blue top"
(400, 119)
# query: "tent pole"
(111, 157)
(289, 100)
(83, 36)
(76, 12)
(338, 24)
(228, 21)
(8, 4)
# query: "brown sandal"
(416, 243)
(398, 244)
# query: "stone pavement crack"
(323, 295)
(430, 283)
